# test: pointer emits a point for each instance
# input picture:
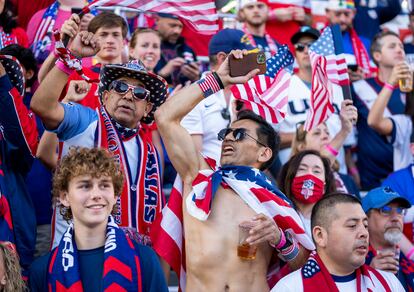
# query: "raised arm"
(177, 140)
(376, 119)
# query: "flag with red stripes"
(328, 68)
(267, 95)
(200, 15)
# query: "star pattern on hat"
(310, 269)
(14, 71)
(136, 70)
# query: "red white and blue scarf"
(316, 277)
(141, 200)
(6, 39)
(121, 271)
(269, 40)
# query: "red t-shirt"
(25, 11)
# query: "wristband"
(353, 170)
(209, 85)
(292, 250)
(410, 253)
(389, 86)
(218, 79)
(331, 150)
(282, 241)
(62, 67)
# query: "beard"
(393, 236)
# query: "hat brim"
(297, 36)
(14, 71)
(157, 86)
(403, 202)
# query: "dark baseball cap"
(382, 196)
(228, 39)
(305, 31)
(168, 15)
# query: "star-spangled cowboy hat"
(157, 86)
(14, 71)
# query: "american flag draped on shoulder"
(253, 187)
(267, 94)
(328, 68)
(201, 15)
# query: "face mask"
(307, 188)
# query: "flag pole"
(339, 49)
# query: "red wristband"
(282, 241)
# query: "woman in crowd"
(9, 32)
(145, 45)
(10, 274)
(305, 179)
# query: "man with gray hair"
(385, 210)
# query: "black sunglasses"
(300, 47)
(239, 134)
(138, 92)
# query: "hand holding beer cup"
(403, 74)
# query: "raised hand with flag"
(328, 68)
(267, 95)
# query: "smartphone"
(253, 60)
(353, 67)
(76, 10)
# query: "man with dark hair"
(178, 63)
(339, 230)
(218, 200)
(376, 156)
(385, 210)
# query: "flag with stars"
(253, 187)
(328, 68)
(267, 95)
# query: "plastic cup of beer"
(245, 251)
(406, 84)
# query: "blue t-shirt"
(402, 181)
(375, 151)
(262, 44)
(91, 268)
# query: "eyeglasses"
(300, 47)
(239, 134)
(138, 92)
(387, 210)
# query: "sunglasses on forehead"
(300, 47)
(138, 92)
(239, 134)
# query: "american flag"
(45, 27)
(253, 187)
(328, 68)
(267, 95)
(201, 15)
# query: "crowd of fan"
(111, 146)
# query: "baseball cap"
(228, 39)
(242, 3)
(167, 15)
(340, 4)
(379, 197)
(305, 31)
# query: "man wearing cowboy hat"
(130, 96)
(18, 143)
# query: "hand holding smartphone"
(253, 60)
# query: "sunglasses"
(138, 92)
(239, 134)
(300, 47)
(387, 210)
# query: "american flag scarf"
(249, 183)
(317, 278)
(141, 200)
(270, 42)
(43, 36)
(267, 94)
(121, 271)
(361, 54)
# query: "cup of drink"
(406, 84)
(245, 251)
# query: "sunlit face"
(317, 138)
(245, 152)
(302, 57)
(111, 42)
(311, 164)
(345, 242)
(90, 199)
(391, 53)
(170, 29)
(147, 49)
(254, 14)
(343, 17)
(124, 108)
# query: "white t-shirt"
(206, 120)
(298, 106)
(293, 283)
(402, 154)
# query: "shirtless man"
(212, 263)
